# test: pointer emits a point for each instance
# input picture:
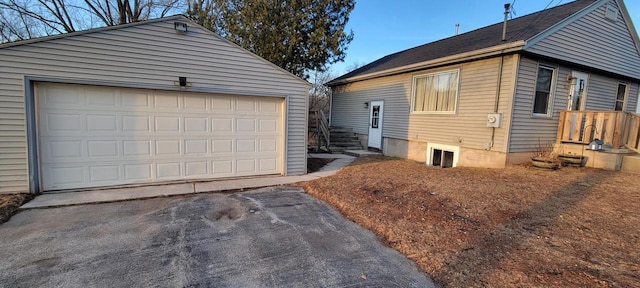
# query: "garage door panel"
(224, 103)
(62, 96)
(136, 148)
(100, 97)
(168, 170)
(63, 122)
(103, 148)
(195, 147)
(108, 174)
(167, 124)
(197, 169)
(102, 123)
(100, 136)
(136, 123)
(137, 171)
(219, 124)
(222, 167)
(135, 98)
(246, 125)
(196, 124)
(222, 146)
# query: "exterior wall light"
(366, 105)
(182, 82)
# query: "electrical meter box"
(494, 120)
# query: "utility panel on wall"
(494, 120)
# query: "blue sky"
(382, 27)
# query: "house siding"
(148, 55)
(594, 41)
(527, 131)
(467, 128)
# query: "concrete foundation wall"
(468, 157)
(413, 150)
(364, 139)
(481, 158)
(519, 158)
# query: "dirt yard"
(514, 227)
(9, 204)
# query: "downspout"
(496, 103)
(330, 105)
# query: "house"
(143, 103)
(486, 99)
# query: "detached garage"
(144, 103)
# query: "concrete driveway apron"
(271, 237)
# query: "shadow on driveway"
(272, 237)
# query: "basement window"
(444, 156)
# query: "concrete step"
(340, 149)
(341, 130)
(345, 143)
(631, 163)
(361, 152)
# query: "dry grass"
(513, 227)
(9, 204)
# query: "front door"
(578, 91)
(375, 124)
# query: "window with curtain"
(437, 92)
(542, 100)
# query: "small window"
(444, 156)
(621, 97)
(437, 92)
(611, 13)
(543, 97)
(375, 116)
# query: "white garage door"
(91, 136)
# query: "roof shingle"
(518, 29)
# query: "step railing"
(320, 126)
(615, 128)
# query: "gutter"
(462, 57)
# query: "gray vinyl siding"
(146, 55)
(527, 130)
(594, 41)
(602, 91)
(467, 128)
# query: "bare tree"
(320, 94)
(355, 65)
(23, 19)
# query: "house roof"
(518, 30)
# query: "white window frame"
(626, 96)
(552, 91)
(449, 148)
(413, 92)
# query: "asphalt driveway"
(272, 237)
